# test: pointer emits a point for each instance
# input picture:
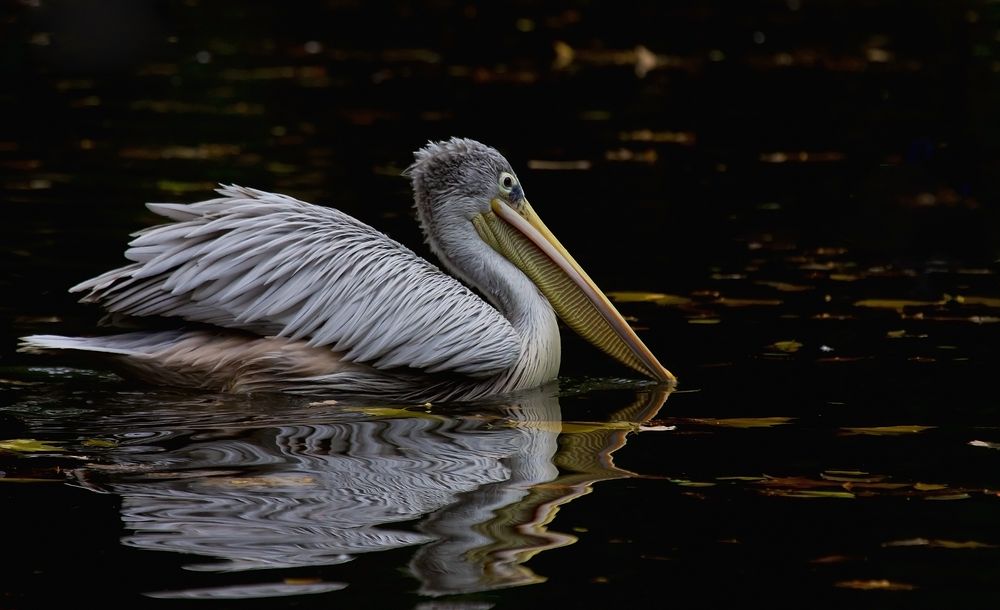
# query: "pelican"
(270, 293)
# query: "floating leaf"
(968, 544)
(985, 444)
(649, 297)
(902, 334)
(788, 347)
(686, 483)
(99, 442)
(832, 559)
(703, 320)
(785, 287)
(847, 476)
(728, 302)
(972, 300)
(28, 445)
(897, 304)
(811, 493)
(874, 585)
(744, 422)
(941, 544)
(887, 430)
(958, 496)
(929, 486)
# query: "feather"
(253, 260)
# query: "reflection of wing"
(275, 265)
(475, 490)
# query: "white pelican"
(283, 295)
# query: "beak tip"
(666, 377)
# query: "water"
(795, 203)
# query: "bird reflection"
(474, 491)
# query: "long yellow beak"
(521, 237)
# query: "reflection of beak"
(523, 239)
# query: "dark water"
(796, 202)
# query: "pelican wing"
(274, 265)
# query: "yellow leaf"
(887, 430)
(958, 496)
(28, 445)
(812, 493)
(929, 486)
(845, 476)
(786, 346)
(987, 301)
(704, 321)
(745, 422)
(659, 298)
(897, 304)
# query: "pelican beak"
(521, 237)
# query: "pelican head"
(471, 206)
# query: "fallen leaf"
(897, 304)
(810, 493)
(728, 302)
(28, 445)
(784, 286)
(874, 585)
(972, 300)
(786, 346)
(648, 297)
(958, 496)
(887, 430)
(686, 483)
(744, 422)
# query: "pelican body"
(274, 294)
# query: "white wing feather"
(274, 265)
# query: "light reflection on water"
(241, 485)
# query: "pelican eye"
(507, 183)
